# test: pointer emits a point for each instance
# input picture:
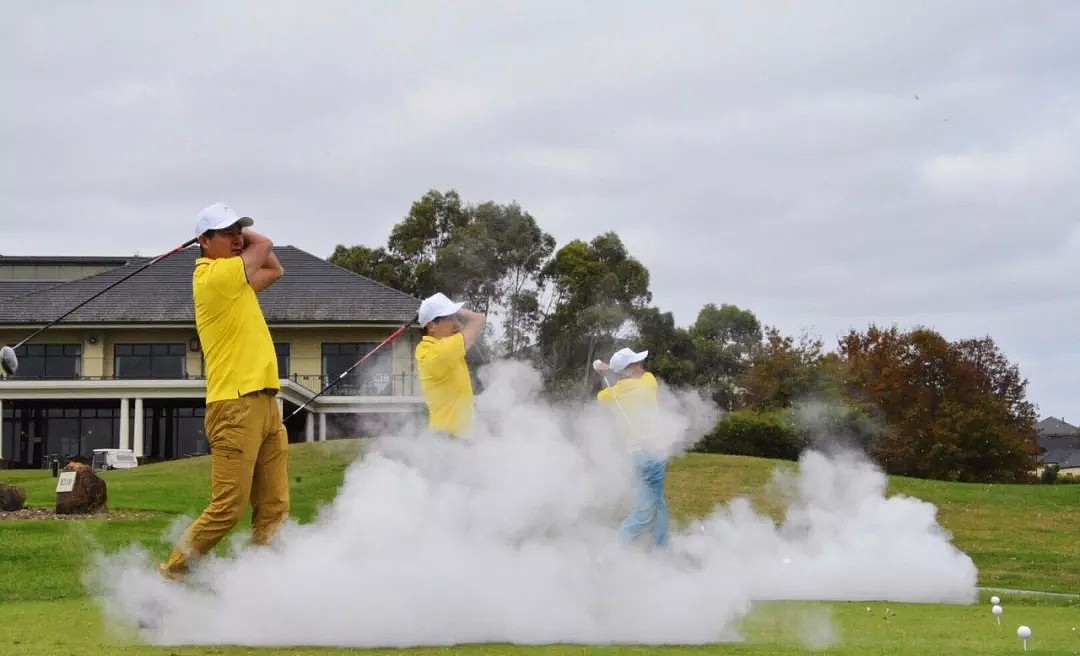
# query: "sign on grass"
(66, 482)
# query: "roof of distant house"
(12, 288)
(84, 260)
(1063, 458)
(312, 290)
(1055, 426)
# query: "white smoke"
(510, 537)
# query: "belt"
(269, 391)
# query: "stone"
(11, 498)
(88, 496)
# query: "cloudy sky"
(825, 164)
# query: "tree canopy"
(926, 406)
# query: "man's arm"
(474, 325)
(260, 263)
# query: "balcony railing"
(403, 384)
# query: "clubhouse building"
(126, 370)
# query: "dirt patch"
(47, 513)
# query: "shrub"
(766, 434)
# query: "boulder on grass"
(11, 498)
(86, 497)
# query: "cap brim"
(243, 222)
(451, 310)
(639, 357)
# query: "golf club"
(603, 376)
(8, 360)
(394, 335)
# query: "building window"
(173, 429)
(282, 351)
(373, 379)
(150, 361)
(49, 361)
(34, 430)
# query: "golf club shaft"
(394, 335)
(110, 286)
(615, 396)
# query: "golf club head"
(8, 361)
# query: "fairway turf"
(1019, 536)
(74, 626)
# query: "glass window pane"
(131, 366)
(63, 435)
(151, 361)
(98, 434)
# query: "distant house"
(126, 370)
(1059, 446)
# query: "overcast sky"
(824, 164)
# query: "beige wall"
(305, 349)
(305, 345)
(50, 271)
(112, 337)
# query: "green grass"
(1019, 537)
(73, 627)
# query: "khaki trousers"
(249, 452)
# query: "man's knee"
(226, 511)
(271, 508)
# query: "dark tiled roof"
(312, 290)
(1055, 426)
(1063, 458)
(13, 288)
(1059, 442)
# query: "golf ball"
(1023, 632)
(995, 600)
(996, 610)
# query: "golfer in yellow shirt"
(634, 400)
(440, 363)
(249, 448)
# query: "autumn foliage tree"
(953, 411)
(784, 370)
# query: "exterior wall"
(61, 334)
(50, 271)
(305, 347)
(109, 338)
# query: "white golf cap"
(436, 306)
(217, 217)
(623, 358)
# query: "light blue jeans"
(650, 508)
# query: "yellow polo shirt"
(637, 398)
(236, 343)
(444, 378)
